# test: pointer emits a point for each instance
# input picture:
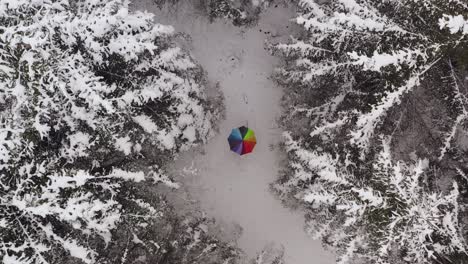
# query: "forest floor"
(233, 189)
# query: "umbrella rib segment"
(235, 143)
(243, 131)
(249, 134)
(235, 134)
(247, 147)
(238, 149)
(242, 140)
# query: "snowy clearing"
(235, 189)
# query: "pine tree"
(369, 218)
(346, 76)
(93, 100)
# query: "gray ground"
(230, 188)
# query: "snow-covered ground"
(235, 189)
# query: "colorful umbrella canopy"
(242, 140)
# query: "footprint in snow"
(245, 99)
(231, 61)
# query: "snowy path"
(232, 188)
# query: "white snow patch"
(146, 123)
(257, 2)
(454, 23)
(185, 120)
(127, 175)
(124, 144)
(79, 143)
(190, 134)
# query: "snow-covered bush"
(84, 86)
(346, 77)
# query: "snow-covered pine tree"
(84, 86)
(359, 58)
(346, 76)
(270, 254)
(240, 12)
(374, 218)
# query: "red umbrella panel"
(242, 140)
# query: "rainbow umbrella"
(242, 140)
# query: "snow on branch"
(398, 58)
(367, 122)
(394, 200)
(461, 101)
(308, 162)
(349, 70)
(454, 24)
